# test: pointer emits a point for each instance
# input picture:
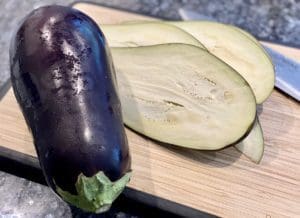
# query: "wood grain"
(223, 183)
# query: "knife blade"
(287, 71)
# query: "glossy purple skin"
(63, 78)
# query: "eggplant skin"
(64, 81)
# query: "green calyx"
(96, 193)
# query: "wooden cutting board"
(224, 183)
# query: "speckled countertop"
(23, 198)
(274, 20)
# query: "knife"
(287, 71)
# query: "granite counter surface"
(23, 198)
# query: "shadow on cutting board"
(220, 158)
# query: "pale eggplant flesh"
(183, 95)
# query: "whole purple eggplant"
(64, 81)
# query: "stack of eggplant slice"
(195, 95)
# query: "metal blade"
(287, 73)
(287, 70)
(191, 15)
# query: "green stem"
(96, 193)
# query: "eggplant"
(64, 81)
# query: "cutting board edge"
(130, 192)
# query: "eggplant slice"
(253, 145)
(238, 50)
(143, 34)
(182, 95)
(252, 38)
